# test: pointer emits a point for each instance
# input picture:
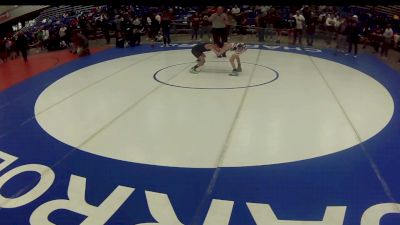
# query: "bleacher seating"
(60, 10)
(389, 10)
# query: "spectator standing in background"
(148, 22)
(290, 25)
(105, 27)
(376, 38)
(366, 34)
(298, 30)
(39, 37)
(306, 11)
(63, 34)
(353, 35)
(119, 40)
(231, 24)
(14, 51)
(341, 42)
(261, 24)
(311, 25)
(84, 26)
(3, 52)
(235, 11)
(330, 28)
(205, 27)
(166, 27)
(270, 21)
(158, 18)
(156, 24)
(22, 45)
(138, 30)
(242, 25)
(278, 26)
(387, 40)
(46, 37)
(219, 21)
(118, 21)
(195, 25)
(82, 44)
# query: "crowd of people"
(128, 24)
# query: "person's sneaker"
(224, 55)
(355, 56)
(193, 70)
(234, 73)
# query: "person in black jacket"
(166, 27)
(311, 24)
(261, 22)
(353, 35)
(138, 30)
(22, 45)
(105, 27)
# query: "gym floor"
(130, 136)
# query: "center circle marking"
(156, 77)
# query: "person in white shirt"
(148, 21)
(298, 31)
(158, 18)
(330, 28)
(235, 11)
(62, 31)
(264, 8)
(387, 40)
(63, 35)
(219, 21)
(46, 36)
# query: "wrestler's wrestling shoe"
(193, 70)
(234, 73)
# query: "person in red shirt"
(212, 10)
(195, 24)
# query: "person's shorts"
(196, 54)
